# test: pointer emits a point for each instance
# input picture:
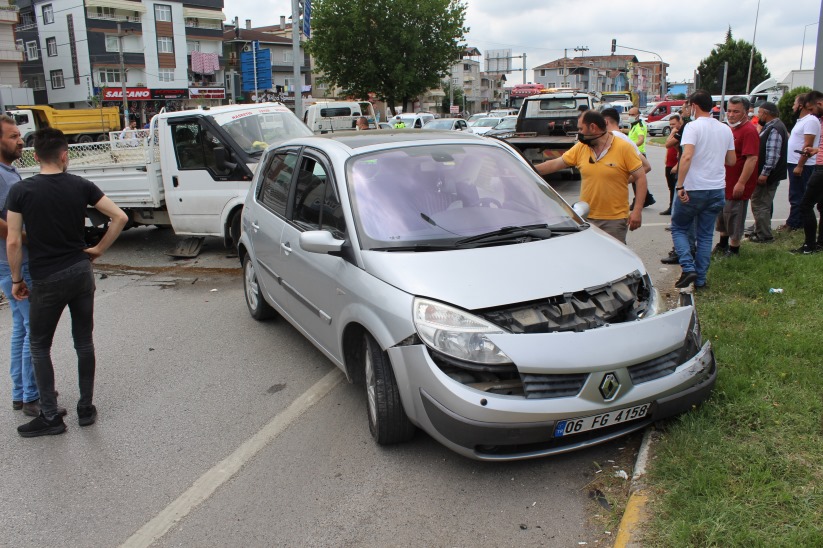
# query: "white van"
(412, 121)
(331, 116)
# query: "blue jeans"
(700, 212)
(72, 287)
(797, 188)
(23, 383)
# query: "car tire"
(388, 422)
(666, 131)
(258, 307)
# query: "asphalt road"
(215, 429)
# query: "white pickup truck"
(190, 170)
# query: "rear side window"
(335, 111)
(275, 184)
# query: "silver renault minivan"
(442, 273)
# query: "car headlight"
(456, 333)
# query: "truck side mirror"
(220, 159)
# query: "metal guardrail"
(133, 148)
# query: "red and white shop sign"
(207, 93)
(132, 94)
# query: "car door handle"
(255, 226)
(174, 181)
(286, 247)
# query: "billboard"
(499, 60)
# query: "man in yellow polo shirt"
(605, 164)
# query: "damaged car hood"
(488, 277)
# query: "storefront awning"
(124, 5)
(203, 14)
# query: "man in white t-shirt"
(708, 147)
(805, 133)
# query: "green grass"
(746, 468)
(658, 140)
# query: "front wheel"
(388, 422)
(258, 307)
(666, 131)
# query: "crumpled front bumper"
(489, 426)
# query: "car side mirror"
(221, 161)
(582, 209)
(320, 241)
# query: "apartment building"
(172, 52)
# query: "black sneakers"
(686, 279)
(86, 415)
(42, 427)
(805, 250)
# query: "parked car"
(485, 124)
(448, 124)
(384, 125)
(660, 127)
(413, 121)
(441, 272)
(475, 117)
(504, 129)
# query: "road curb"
(635, 512)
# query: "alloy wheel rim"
(371, 388)
(251, 286)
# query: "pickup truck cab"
(190, 170)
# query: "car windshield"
(439, 124)
(475, 117)
(507, 123)
(436, 195)
(487, 122)
(255, 130)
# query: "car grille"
(666, 364)
(656, 368)
(615, 302)
(552, 386)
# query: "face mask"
(632, 119)
(734, 124)
(587, 139)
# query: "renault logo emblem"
(609, 386)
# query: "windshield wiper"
(515, 234)
(415, 247)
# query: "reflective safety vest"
(636, 131)
(399, 124)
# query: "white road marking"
(205, 486)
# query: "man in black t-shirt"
(53, 207)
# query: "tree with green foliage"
(456, 93)
(396, 49)
(784, 106)
(737, 53)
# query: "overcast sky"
(681, 33)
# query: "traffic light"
(614, 45)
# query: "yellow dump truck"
(80, 125)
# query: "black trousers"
(812, 197)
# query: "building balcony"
(9, 14)
(9, 53)
(197, 24)
(116, 16)
(26, 24)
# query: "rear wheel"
(666, 131)
(388, 422)
(102, 138)
(85, 139)
(258, 307)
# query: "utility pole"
(295, 44)
(565, 56)
(751, 57)
(123, 77)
